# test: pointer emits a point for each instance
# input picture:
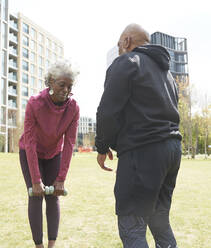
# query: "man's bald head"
(132, 36)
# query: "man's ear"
(127, 42)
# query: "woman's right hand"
(38, 189)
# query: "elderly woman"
(46, 147)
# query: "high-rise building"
(4, 46)
(177, 48)
(26, 52)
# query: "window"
(3, 116)
(32, 57)
(3, 62)
(25, 41)
(39, 84)
(23, 114)
(40, 72)
(3, 92)
(24, 103)
(4, 36)
(181, 68)
(33, 45)
(33, 33)
(48, 43)
(40, 61)
(25, 53)
(25, 28)
(172, 66)
(54, 57)
(4, 9)
(12, 103)
(33, 92)
(171, 55)
(25, 78)
(40, 49)
(48, 53)
(40, 37)
(60, 51)
(32, 82)
(13, 63)
(32, 69)
(47, 64)
(13, 76)
(25, 65)
(53, 46)
(25, 91)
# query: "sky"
(90, 28)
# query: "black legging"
(49, 170)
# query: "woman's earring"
(51, 92)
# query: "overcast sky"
(90, 28)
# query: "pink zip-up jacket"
(48, 130)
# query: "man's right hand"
(101, 158)
(38, 189)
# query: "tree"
(184, 106)
(206, 113)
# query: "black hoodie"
(139, 102)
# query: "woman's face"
(61, 87)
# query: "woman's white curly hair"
(61, 68)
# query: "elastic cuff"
(103, 150)
(38, 242)
(49, 239)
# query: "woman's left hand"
(58, 188)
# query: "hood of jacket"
(158, 53)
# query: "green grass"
(87, 213)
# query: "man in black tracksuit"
(138, 117)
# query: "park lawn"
(87, 213)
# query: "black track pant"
(146, 178)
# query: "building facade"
(4, 58)
(86, 132)
(177, 48)
(27, 50)
(86, 125)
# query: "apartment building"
(27, 50)
(86, 131)
(86, 125)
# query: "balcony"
(13, 77)
(13, 51)
(13, 38)
(12, 103)
(14, 25)
(13, 64)
(12, 90)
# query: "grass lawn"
(87, 213)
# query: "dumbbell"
(49, 190)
